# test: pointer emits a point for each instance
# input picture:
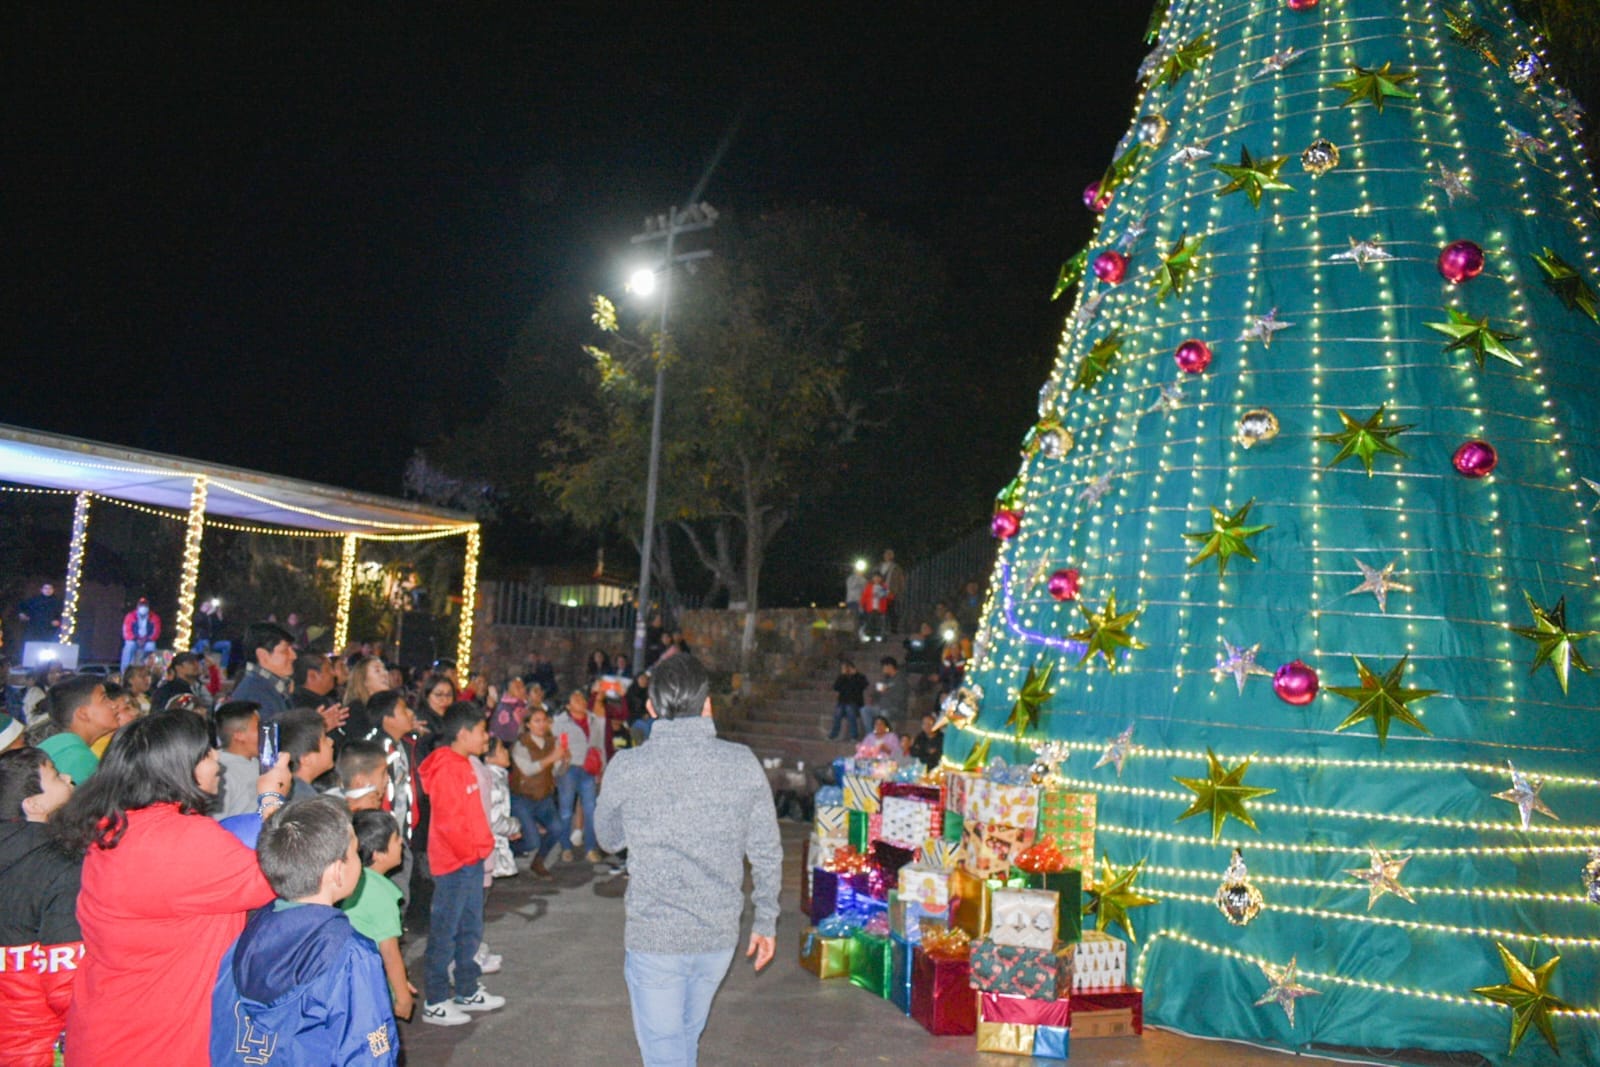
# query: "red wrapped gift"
(1000, 1008)
(942, 999)
(890, 858)
(1110, 998)
(911, 790)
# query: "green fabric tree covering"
(1468, 549)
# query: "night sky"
(305, 244)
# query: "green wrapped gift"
(861, 831)
(1067, 883)
(871, 963)
(953, 822)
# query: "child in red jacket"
(459, 840)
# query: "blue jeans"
(223, 649)
(455, 926)
(671, 996)
(577, 786)
(541, 825)
(849, 714)
(133, 648)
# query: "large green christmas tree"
(1326, 408)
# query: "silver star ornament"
(1171, 398)
(1453, 182)
(1239, 662)
(1378, 583)
(1382, 875)
(1363, 252)
(1524, 793)
(1526, 143)
(1262, 327)
(1285, 987)
(1275, 63)
(1095, 490)
(1089, 307)
(1596, 487)
(1193, 153)
(1117, 751)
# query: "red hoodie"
(458, 830)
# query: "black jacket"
(38, 887)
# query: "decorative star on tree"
(1177, 268)
(1375, 85)
(1558, 646)
(1088, 308)
(1226, 538)
(1098, 360)
(1363, 252)
(1468, 34)
(1285, 987)
(1117, 751)
(1113, 896)
(1365, 439)
(1526, 143)
(1121, 169)
(1096, 489)
(1239, 662)
(1107, 631)
(1170, 398)
(1253, 176)
(1222, 793)
(1453, 182)
(1383, 700)
(1033, 695)
(1193, 153)
(1379, 583)
(1565, 281)
(1382, 875)
(977, 757)
(1183, 59)
(1071, 273)
(1526, 991)
(1594, 486)
(1262, 327)
(1476, 336)
(1275, 63)
(1524, 793)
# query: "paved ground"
(562, 945)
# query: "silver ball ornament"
(1320, 157)
(1237, 899)
(1152, 130)
(1527, 70)
(1255, 426)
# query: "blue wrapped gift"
(900, 954)
(1050, 1042)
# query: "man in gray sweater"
(690, 809)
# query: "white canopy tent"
(202, 494)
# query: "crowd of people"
(179, 852)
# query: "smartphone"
(268, 754)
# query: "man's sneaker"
(593, 856)
(566, 855)
(481, 1000)
(488, 962)
(445, 1013)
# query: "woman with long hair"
(368, 676)
(438, 693)
(598, 666)
(165, 891)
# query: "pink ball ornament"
(1461, 261)
(1302, 5)
(1475, 459)
(1006, 523)
(1110, 266)
(1295, 683)
(1064, 584)
(1093, 199)
(1193, 356)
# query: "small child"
(374, 908)
(300, 983)
(363, 775)
(505, 826)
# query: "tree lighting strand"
(75, 551)
(195, 528)
(347, 578)
(469, 599)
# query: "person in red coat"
(165, 892)
(141, 629)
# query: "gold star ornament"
(1031, 698)
(1383, 700)
(1375, 85)
(1098, 360)
(1253, 176)
(1114, 896)
(1183, 59)
(1558, 646)
(1364, 439)
(1568, 285)
(1526, 991)
(1475, 336)
(1107, 632)
(1221, 792)
(1177, 268)
(1226, 538)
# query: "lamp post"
(661, 227)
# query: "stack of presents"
(960, 901)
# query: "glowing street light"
(642, 282)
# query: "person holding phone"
(582, 738)
(238, 729)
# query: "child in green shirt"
(374, 908)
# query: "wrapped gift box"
(1025, 917)
(1020, 1039)
(824, 847)
(953, 791)
(953, 826)
(906, 918)
(825, 957)
(987, 849)
(870, 965)
(1067, 820)
(937, 852)
(971, 899)
(1116, 1022)
(907, 822)
(942, 999)
(1040, 974)
(1099, 961)
(927, 886)
(824, 899)
(1068, 886)
(891, 859)
(1000, 1008)
(1002, 805)
(831, 820)
(926, 794)
(860, 792)
(805, 877)
(900, 954)
(1107, 1008)
(860, 825)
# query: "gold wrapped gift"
(1015, 1038)
(825, 957)
(973, 899)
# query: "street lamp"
(662, 227)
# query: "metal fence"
(526, 604)
(941, 575)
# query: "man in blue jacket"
(690, 809)
(300, 986)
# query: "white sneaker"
(488, 962)
(445, 1013)
(481, 1000)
